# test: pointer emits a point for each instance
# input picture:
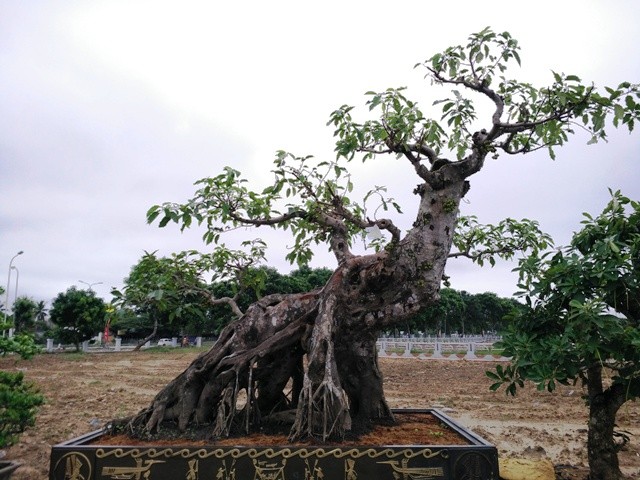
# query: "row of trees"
(76, 315)
(156, 302)
(463, 313)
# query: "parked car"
(165, 342)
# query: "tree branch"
(231, 301)
(269, 221)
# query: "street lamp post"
(15, 294)
(15, 298)
(6, 302)
(90, 285)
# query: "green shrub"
(19, 400)
(18, 406)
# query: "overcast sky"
(108, 107)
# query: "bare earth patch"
(84, 391)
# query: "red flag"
(106, 331)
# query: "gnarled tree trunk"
(312, 357)
(603, 407)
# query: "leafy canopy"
(584, 304)
(313, 199)
(177, 290)
(24, 314)
(78, 315)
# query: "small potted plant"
(18, 399)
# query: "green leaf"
(575, 304)
(152, 213)
(629, 102)
(165, 220)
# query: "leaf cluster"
(309, 199)
(21, 344)
(487, 243)
(312, 199)
(526, 117)
(176, 291)
(157, 288)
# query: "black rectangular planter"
(85, 458)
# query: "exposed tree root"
(314, 352)
(207, 391)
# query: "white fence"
(478, 348)
(116, 346)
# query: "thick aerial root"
(226, 412)
(323, 413)
(323, 408)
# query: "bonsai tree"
(19, 400)
(311, 357)
(582, 325)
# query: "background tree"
(324, 341)
(24, 314)
(583, 324)
(486, 311)
(307, 278)
(41, 312)
(174, 293)
(152, 301)
(43, 326)
(78, 315)
(443, 317)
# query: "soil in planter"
(410, 429)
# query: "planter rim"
(86, 455)
(473, 438)
(7, 467)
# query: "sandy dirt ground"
(84, 391)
